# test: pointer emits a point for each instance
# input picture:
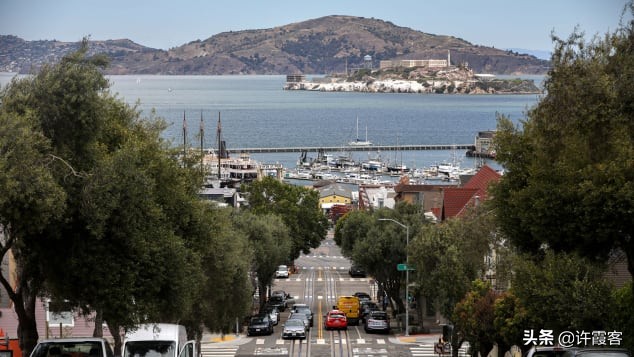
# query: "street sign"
(404, 267)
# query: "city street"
(322, 276)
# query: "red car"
(336, 319)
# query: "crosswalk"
(427, 350)
(211, 350)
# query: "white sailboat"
(359, 142)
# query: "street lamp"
(406, 271)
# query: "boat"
(359, 142)
(221, 170)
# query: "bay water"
(256, 112)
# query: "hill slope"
(324, 45)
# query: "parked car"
(88, 346)
(546, 351)
(336, 319)
(294, 329)
(367, 307)
(377, 321)
(281, 272)
(277, 301)
(356, 271)
(303, 308)
(597, 352)
(273, 312)
(260, 325)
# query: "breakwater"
(351, 148)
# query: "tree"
(225, 293)
(110, 198)
(474, 317)
(297, 206)
(270, 242)
(379, 246)
(570, 179)
(449, 256)
(29, 199)
(578, 296)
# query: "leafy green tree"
(449, 256)
(510, 320)
(380, 246)
(29, 199)
(270, 242)
(562, 292)
(621, 315)
(352, 227)
(474, 317)
(225, 292)
(570, 179)
(120, 221)
(297, 206)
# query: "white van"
(158, 340)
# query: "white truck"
(158, 340)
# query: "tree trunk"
(98, 331)
(116, 336)
(263, 294)
(24, 303)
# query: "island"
(415, 79)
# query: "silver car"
(301, 316)
(377, 321)
(294, 328)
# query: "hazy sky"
(162, 24)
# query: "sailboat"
(359, 142)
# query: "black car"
(260, 325)
(363, 296)
(277, 301)
(367, 307)
(357, 271)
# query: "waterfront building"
(408, 63)
(333, 194)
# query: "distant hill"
(319, 46)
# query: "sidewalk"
(428, 339)
(219, 339)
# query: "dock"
(352, 148)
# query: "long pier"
(352, 148)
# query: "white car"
(281, 272)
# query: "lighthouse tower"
(448, 58)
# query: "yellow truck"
(350, 305)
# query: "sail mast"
(219, 154)
(184, 136)
(202, 143)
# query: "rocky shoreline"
(497, 86)
(456, 80)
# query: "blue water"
(256, 112)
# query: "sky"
(525, 24)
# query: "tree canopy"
(297, 206)
(99, 212)
(570, 167)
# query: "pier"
(352, 148)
